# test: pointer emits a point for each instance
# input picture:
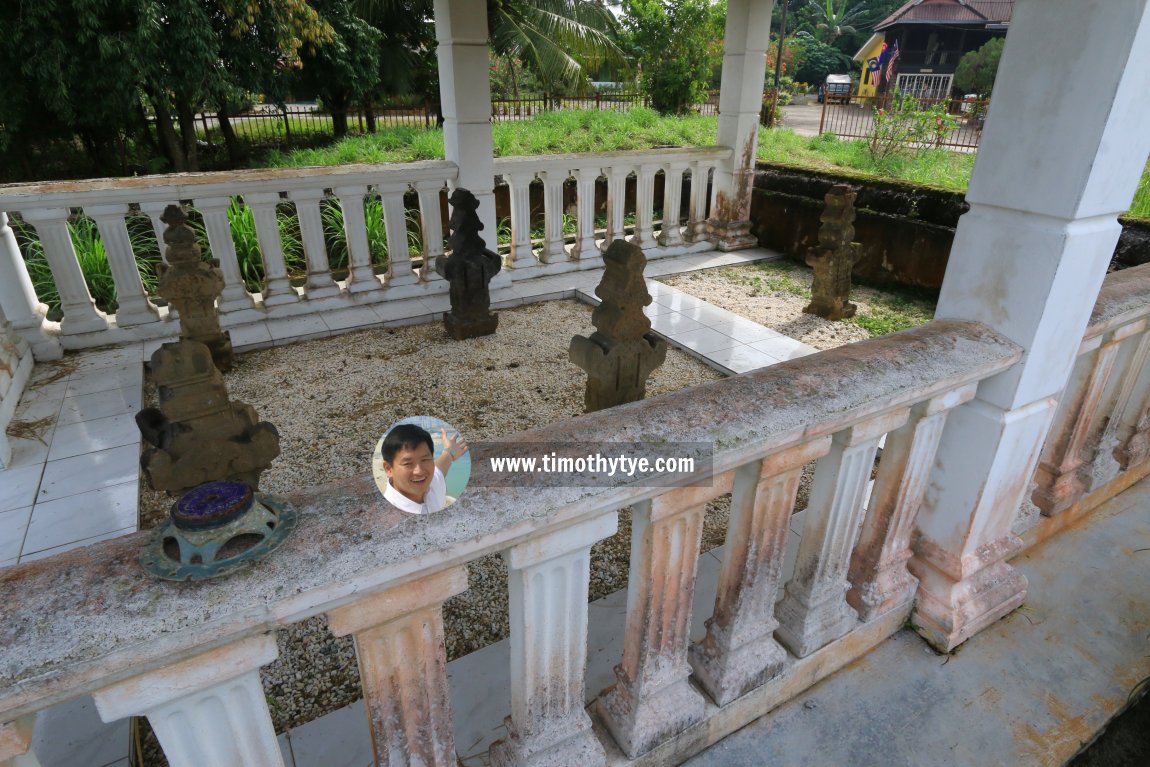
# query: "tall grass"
(1141, 205)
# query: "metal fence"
(855, 118)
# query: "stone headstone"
(622, 353)
(834, 257)
(468, 270)
(192, 285)
(197, 435)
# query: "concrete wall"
(906, 230)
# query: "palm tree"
(837, 21)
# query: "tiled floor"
(76, 483)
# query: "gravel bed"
(331, 400)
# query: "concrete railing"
(187, 655)
(305, 193)
(1100, 439)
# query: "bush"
(903, 124)
(678, 46)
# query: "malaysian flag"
(891, 61)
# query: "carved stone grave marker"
(621, 354)
(468, 270)
(834, 257)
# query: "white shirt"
(432, 502)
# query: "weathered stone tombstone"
(468, 270)
(834, 257)
(621, 354)
(192, 285)
(197, 434)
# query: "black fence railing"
(856, 119)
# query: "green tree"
(976, 70)
(817, 59)
(678, 44)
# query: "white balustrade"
(671, 233)
(80, 312)
(192, 665)
(133, 306)
(154, 210)
(697, 215)
(644, 235)
(519, 186)
(431, 227)
(585, 247)
(219, 230)
(277, 289)
(554, 250)
(18, 301)
(616, 203)
(360, 271)
(399, 271)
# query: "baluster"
(616, 203)
(154, 210)
(879, 578)
(739, 652)
(277, 288)
(320, 283)
(519, 186)
(18, 300)
(403, 667)
(1058, 477)
(133, 306)
(219, 229)
(814, 610)
(652, 700)
(205, 710)
(1129, 428)
(554, 250)
(399, 271)
(16, 743)
(361, 275)
(585, 247)
(80, 312)
(645, 205)
(697, 213)
(671, 233)
(548, 578)
(431, 226)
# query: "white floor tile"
(678, 300)
(672, 323)
(45, 553)
(256, 334)
(81, 517)
(36, 408)
(122, 355)
(106, 379)
(356, 317)
(90, 436)
(72, 735)
(297, 327)
(102, 404)
(395, 310)
(436, 304)
(45, 391)
(285, 750)
(708, 315)
(655, 309)
(783, 347)
(13, 525)
(339, 739)
(703, 340)
(19, 485)
(81, 473)
(741, 359)
(30, 452)
(48, 371)
(745, 331)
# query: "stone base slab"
(639, 726)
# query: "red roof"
(966, 12)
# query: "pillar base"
(950, 611)
(578, 748)
(890, 589)
(639, 723)
(727, 675)
(806, 628)
(731, 235)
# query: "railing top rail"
(186, 186)
(608, 159)
(84, 619)
(1125, 296)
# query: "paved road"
(803, 119)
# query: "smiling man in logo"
(415, 477)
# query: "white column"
(277, 287)
(16, 743)
(154, 210)
(1059, 159)
(431, 226)
(671, 233)
(18, 299)
(651, 699)
(645, 205)
(697, 213)
(319, 280)
(403, 667)
(132, 304)
(209, 709)
(519, 192)
(360, 273)
(465, 94)
(585, 248)
(616, 203)
(553, 246)
(1127, 436)
(740, 101)
(399, 271)
(879, 579)
(739, 652)
(814, 612)
(548, 580)
(80, 312)
(216, 223)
